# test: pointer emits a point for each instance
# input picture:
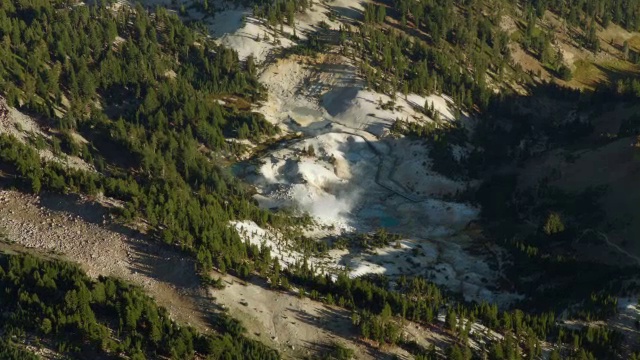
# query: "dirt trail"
(81, 231)
(616, 247)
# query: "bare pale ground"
(344, 195)
(301, 326)
(76, 229)
(625, 321)
(80, 230)
(235, 26)
(26, 129)
(305, 93)
(359, 178)
(108, 249)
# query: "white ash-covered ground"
(357, 178)
(348, 172)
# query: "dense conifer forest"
(55, 303)
(121, 95)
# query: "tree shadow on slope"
(151, 259)
(348, 12)
(177, 270)
(338, 99)
(337, 322)
(89, 211)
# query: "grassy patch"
(516, 36)
(588, 74)
(620, 68)
(634, 42)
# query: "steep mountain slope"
(400, 173)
